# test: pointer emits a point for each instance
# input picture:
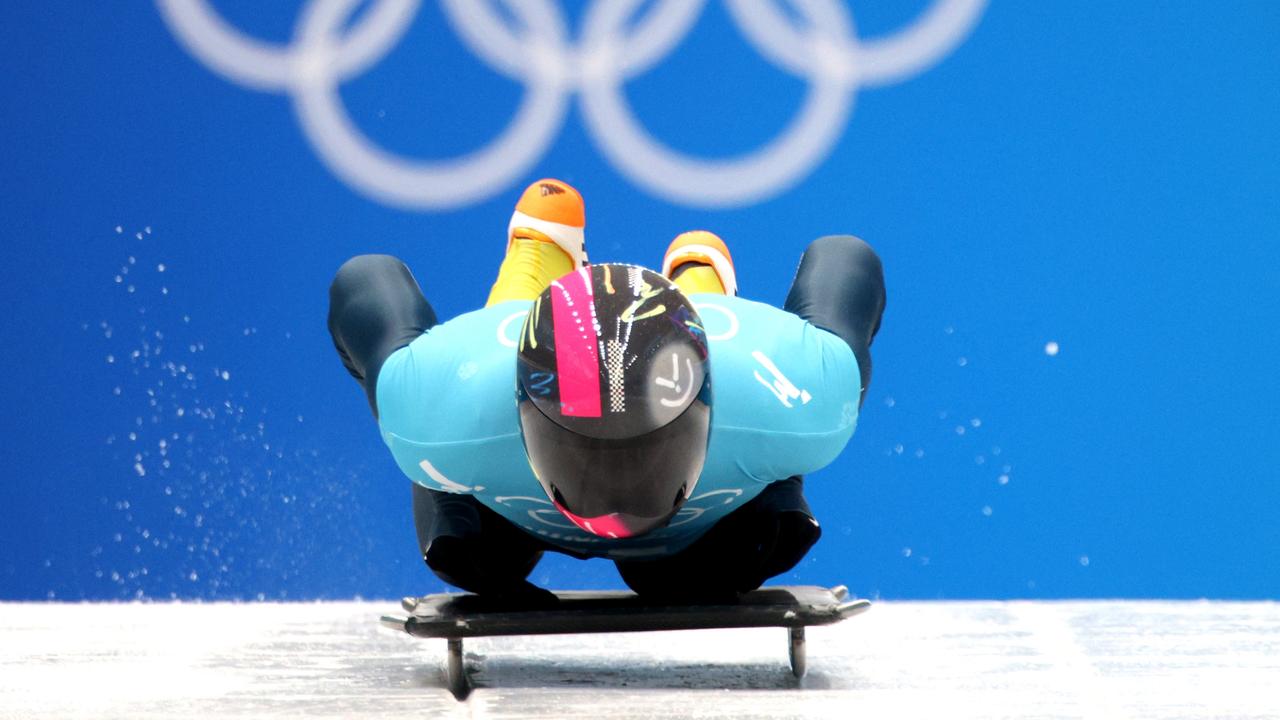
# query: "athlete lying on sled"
(610, 411)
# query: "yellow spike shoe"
(544, 241)
(552, 210)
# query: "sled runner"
(455, 616)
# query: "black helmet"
(614, 392)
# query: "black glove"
(479, 568)
(783, 540)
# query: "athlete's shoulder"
(775, 373)
(455, 382)
(493, 327)
(723, 315)
(736, 325)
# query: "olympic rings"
(821, 46)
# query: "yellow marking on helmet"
(629, 315)
(646, 293)
(530, 323)
(608, 280)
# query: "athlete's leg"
(472, 547)
(762, 539)
(839, 287)
(545, 241)
(375, 308)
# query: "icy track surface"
(901, 659)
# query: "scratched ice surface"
(902, 659)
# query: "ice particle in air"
(1084, 561)
(225, 375)
(137, 467)
(962, 361)
(119, 229)
(986, 510)
(1051, 348)
(1003, 479)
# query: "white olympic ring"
(821, 47)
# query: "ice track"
(901, 659)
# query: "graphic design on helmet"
(614, 394)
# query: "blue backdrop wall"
(1076, 204)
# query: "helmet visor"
(619, 487)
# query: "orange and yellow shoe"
(552, 211)
(544, 241)
(704, 249)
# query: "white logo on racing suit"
(780, 386)
(444, 483)
(730, 316)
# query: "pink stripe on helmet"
(577, 358)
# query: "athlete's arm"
(839, 287)
(375, 308)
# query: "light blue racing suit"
(784, 402)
